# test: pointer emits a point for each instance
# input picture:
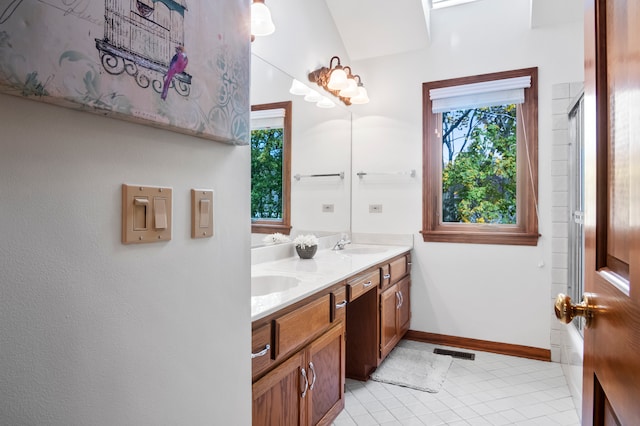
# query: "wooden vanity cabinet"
(362, 326)
(395, 315)
(277, 396)
(302, 353)
(298, 362)
(308, 388)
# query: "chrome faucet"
(340, 244)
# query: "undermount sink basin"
(268, 284)
(363, 250)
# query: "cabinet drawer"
(398, 269)
(363, 283)
(302, 325)
(261, 350)
(339, 304)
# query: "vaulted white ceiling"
(372, 28)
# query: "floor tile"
(490, 390)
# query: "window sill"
(270, 228)
(502, 238)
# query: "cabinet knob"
(386, 276)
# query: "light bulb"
(362, 97)
(297, 88)
(338, 79)
(325, 103)
(312, 96)
(351, 90)
(261, 22)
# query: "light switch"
(146, 214)
(141, 212)
(201, 213)
(205, 206)
(160, 212)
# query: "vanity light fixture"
(362, 97)
(298, 88)
(261, 22)
(325, 103)
(313, 96)
(340, 82)
(310, 95)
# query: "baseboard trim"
(480, 345)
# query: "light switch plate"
(201, 213)
(146, 214)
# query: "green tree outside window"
(266, 173)
(479, 166)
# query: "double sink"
(279, 283)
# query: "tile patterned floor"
(490, 390)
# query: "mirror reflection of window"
(271, 168)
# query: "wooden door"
(326, 376)
(612, 187)
(277, 397)
(404, 310)
(389, 302)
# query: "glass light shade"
(261, 22)
(351, 90)
(361, 97)
(297, 88)
(337, 80)
(313, 96)
(325, 103)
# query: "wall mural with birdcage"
(166, 63)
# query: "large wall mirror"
(320, 182)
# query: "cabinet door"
(277, 397)
(326, 371)
(404, 311)
(389, 302)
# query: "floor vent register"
(455, 354)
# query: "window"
(480, 159)
(271, 168)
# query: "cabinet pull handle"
(367, 284)
(398, 299)
(341, 304)
(261, 353)
(306, 383)
(386, 276)
(401, 298)
(313, 380)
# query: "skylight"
(439, 4)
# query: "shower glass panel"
(575, 285)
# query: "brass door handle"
(567, 311)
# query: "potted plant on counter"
(306, 245)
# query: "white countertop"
(304, 277)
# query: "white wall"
(305, 38)
(98, 333)
(495, 293)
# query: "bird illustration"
(178, 64)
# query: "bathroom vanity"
(317, 321)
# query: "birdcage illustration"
(140, 38)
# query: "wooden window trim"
(525, 231)
(282, 226)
